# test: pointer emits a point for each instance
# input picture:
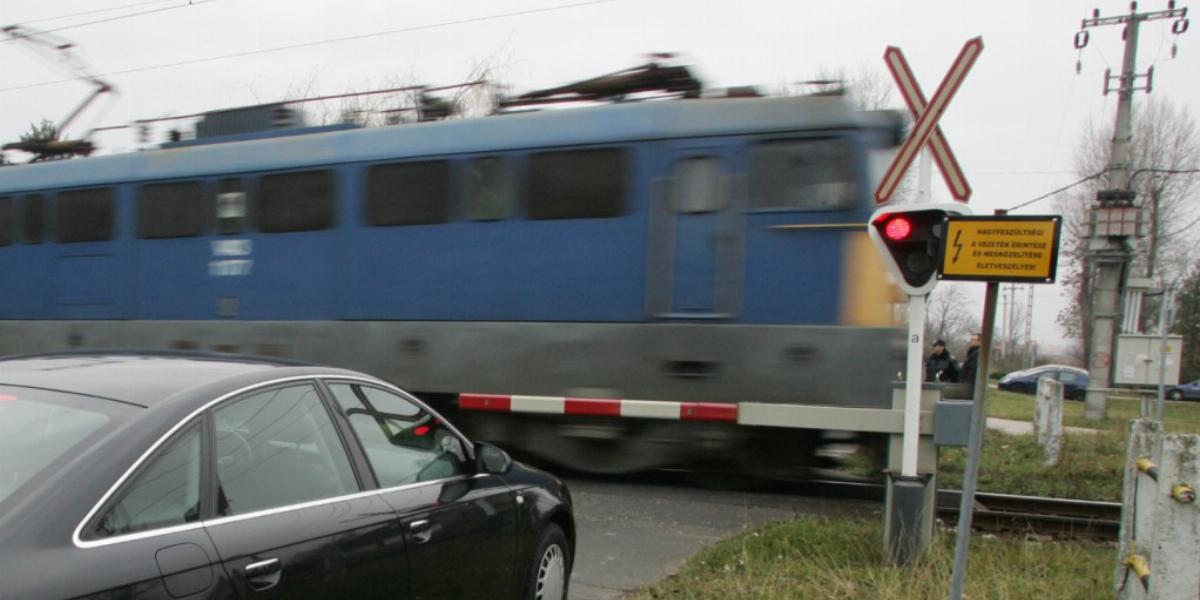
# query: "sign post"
(994, 249)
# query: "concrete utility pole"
(1114, 218)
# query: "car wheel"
(551, 566)
(1175, 395)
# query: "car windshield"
(39, 428)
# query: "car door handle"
(421, 530)
(263, 574)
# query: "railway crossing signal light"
(910, 238)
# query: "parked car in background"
(1074, 380)
(1185, 391)
(197, 476)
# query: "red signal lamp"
(898, 229)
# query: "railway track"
(1057, 517)
(1002, 513)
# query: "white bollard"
(1047, 419)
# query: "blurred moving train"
(706, 250)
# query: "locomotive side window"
(6, 221)
(812, 174)
(489, 189)
(171, 210)
(34, 222)
(299, 201)
(577, 184)
(85, 215)
(410, 193)
(231, 206)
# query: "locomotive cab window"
(577, 184)
(171, 210)
(809, 174)
(411, 193)
(297, 201)
(34, 220)
(85, 215)
(6, 221)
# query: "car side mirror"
(490, 459)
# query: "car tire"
(550, 571)
(1175, 395)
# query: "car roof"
(1040, 368)
(141, 378)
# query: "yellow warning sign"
(1001, 248)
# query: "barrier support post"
(910, 501)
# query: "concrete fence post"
(1175, 568)
(1047, 419)
(1134, 546)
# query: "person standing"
(966, 373)
(941, 366)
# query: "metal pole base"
(908, 525)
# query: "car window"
(40, 429)
(1068, 376)
(403, 443)
(276, 448)
(165, 494)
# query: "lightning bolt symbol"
(957, 245)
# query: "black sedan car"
(1074, 380)
(184, 476)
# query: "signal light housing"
(910, 238)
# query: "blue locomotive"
(708, 250)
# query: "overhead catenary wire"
(95, 11)
(361, 36)
(121, 17)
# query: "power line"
(128, 16)
(361, 36)
(1091, 177)
(1061, 189)
(97, 11)
(1184, 228)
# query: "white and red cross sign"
(926, 129)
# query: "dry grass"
(815, 558)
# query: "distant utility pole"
(1115, 218)
(1030, 355)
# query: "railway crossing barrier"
(1158, 555)
(1047, 419)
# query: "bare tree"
(948, 317)
(402, 98)
(865, 88)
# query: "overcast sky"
(1014, 124)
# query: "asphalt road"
(632, 532)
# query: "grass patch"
(843, 558)
(1091, 464)
(1090, 467)
(1180, 416)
